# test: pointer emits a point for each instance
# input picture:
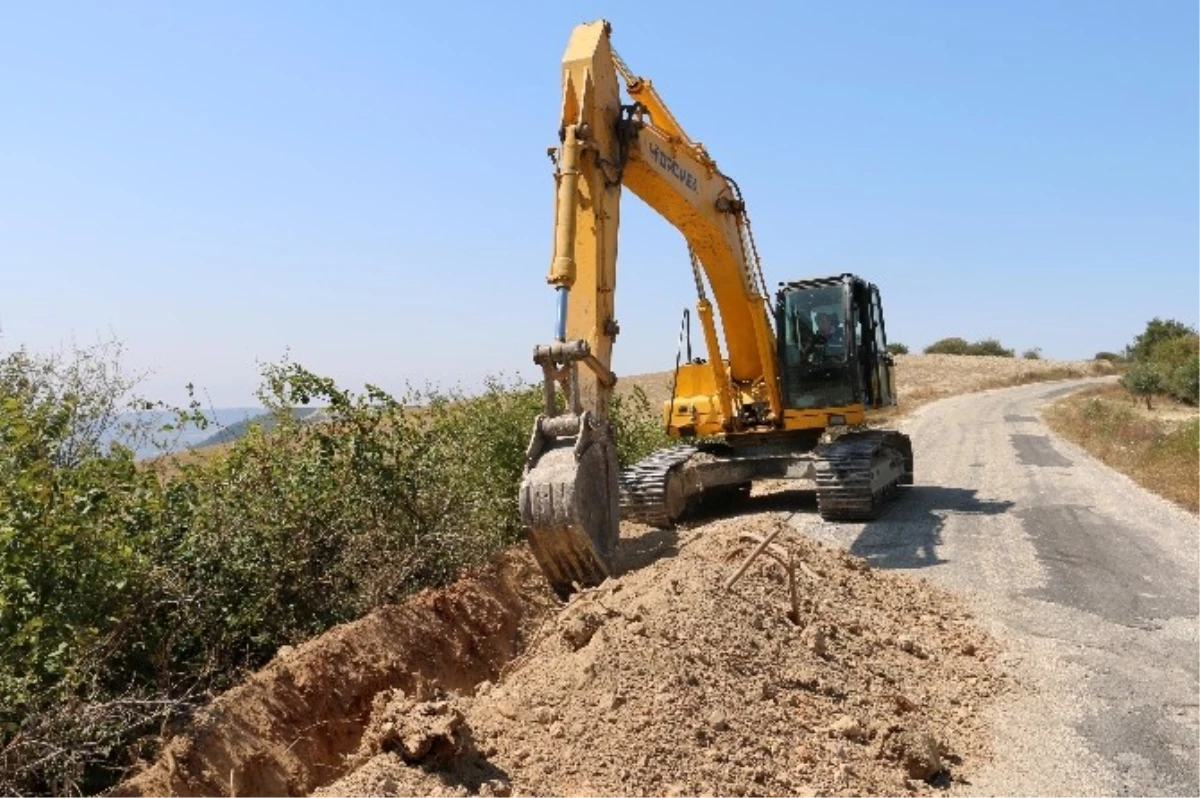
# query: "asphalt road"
(1089, 581)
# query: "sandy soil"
(662, 682)
(658, 682)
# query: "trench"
(291, 727)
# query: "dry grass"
(1158, 450)
(921, 379)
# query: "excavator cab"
(832, 344)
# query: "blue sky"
(365, 185)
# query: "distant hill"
(179, 439)
(232, 432)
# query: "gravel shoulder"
(1088, 580)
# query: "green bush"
(638, 427)
(992, 347)
(897, 348)
(1184, 382)
(1174, 352)
(949, 346)
(1032, 354)
(78, 523)
(1111, 357)
(1157, 331)
(960, 346)
(1144, 380)
(1106, 415)
(130, 590)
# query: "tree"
(1033, 354)
(1157, 330)
(960, 346)
(897, 348)
(1143, 380)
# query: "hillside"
(231, 432)
(924, 378)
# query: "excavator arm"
(570, 488)
(642, 147)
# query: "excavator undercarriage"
(854, 475)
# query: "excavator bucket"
(570, 501)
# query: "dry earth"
(658, 682)
(288, 728)
(921, 379)
(661, 682)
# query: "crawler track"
(644, 495)
(856, 472)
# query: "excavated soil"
(663, 682)
(659, 682)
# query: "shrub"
(1032, 354)
(897, 348)
(1156, 332)
(1143, 380)
(949, 346)
(78, 520)
(637, 427)
(1184, 382)
(1111, 357)
(960, 346)
(1172, 353)
(128, 590)
(990, 346)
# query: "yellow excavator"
(809, 362)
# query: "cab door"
(884, 370)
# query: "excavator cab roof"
(821, 282)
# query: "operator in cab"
(830, 330)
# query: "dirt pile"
(662, 682)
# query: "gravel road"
(1089, 580)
